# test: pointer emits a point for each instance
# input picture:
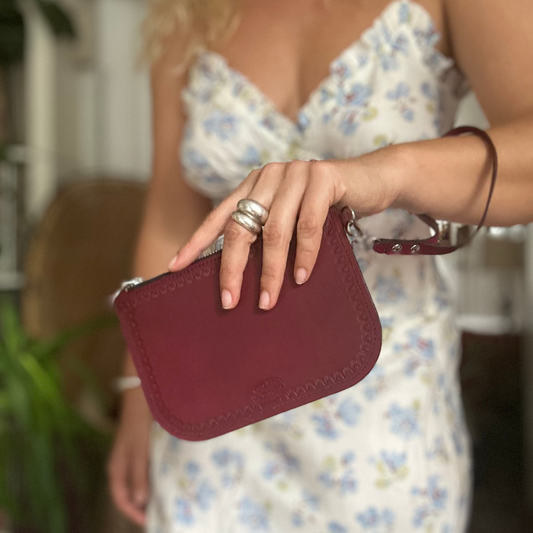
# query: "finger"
(206, 233)
(318, 197)
(237, 240)
(140, 480)
(120, 491)
(279, 229)
(212, 226)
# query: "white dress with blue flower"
(391, 454)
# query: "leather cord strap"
(436, 245)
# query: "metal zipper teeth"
(134, 284)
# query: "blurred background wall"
(102, 117)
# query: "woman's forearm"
(449, 178)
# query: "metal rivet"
(397, 248)
(415, 248)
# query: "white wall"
(103, 98)
(40, 117)
(87, 105)
(123, 123)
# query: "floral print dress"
(391, 454)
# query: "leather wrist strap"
(436, 245)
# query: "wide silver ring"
(247, 222)
(254, 209)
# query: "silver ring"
(247, 222)
(253, 209)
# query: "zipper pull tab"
(125, 286)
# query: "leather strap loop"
(434, 245)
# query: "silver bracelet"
(124, 383)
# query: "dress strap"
(439, 243)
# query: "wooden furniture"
(78, 256)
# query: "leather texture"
(207, 371)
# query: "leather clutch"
(206, 370)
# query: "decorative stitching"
(346, 264)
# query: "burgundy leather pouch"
(206, 371)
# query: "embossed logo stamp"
(268, 391)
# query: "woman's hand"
(297, 194)
(128, 463)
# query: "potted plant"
(51, 458)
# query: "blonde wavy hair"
(200, 23)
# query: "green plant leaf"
(13, 336)
(43, 440)
(51, 504)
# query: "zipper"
(134, 283)
(127, 285)
(351, 228)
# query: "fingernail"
(301, 274)
(226, 299)
(264, 300)
(173, 262)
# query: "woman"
(365, 90)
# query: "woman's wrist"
(446, 177)
(133, 405)
(386, 173)
(129, 380)
(400, 169)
